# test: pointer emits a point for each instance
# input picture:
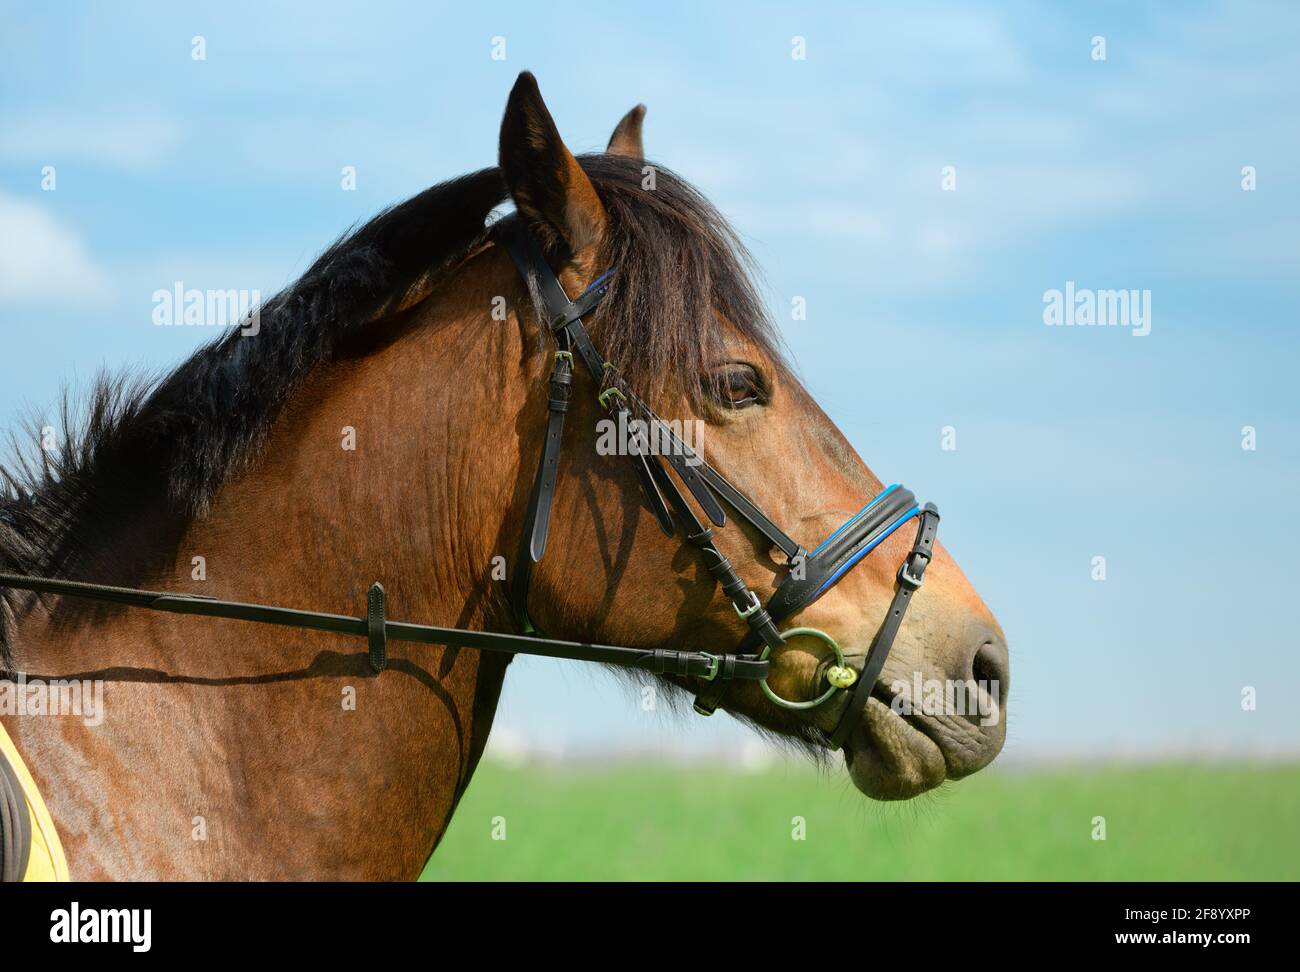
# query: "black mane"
(152, 453)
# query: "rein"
(376, 627)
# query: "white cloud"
(42, 260)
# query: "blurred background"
(922, 176)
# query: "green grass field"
(646, 823)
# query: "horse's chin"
(890, 759)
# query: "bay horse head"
(681, 324)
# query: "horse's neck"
(396, 467)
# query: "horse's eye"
(737, 385)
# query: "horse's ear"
(551, 192)
(626, 139)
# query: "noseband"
(810, 574)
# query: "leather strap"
(585, 303)
(537, 520)
(686, 463)
(699, 664)
(820, 570)
(700, 536)
(910, 576)
(701, 478)
(557, 404)
(642, 462)
(565, 319)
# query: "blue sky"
(1072, 443)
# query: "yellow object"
(841, 676)
(46, 861)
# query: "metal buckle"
(567, 355)
(907, 578)
(754, 605)
(603, 397)
(715, 664)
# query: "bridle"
(810, 574)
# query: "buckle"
(715, 663)
(907, 578)
(603, 397)
(754, 605)
(566, 355)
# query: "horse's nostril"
(991, 665)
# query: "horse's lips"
(890, 759)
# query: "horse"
(382, 421)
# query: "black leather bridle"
(811, 574)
